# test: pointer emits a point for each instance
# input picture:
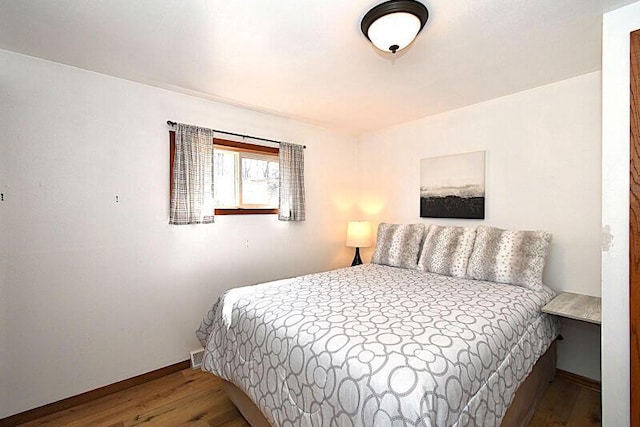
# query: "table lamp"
(358, 236)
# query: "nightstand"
(575, 306)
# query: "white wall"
(93, 291)
(615, 212)
(542, 172)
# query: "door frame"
(634, 228)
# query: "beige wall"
(94, 291)
(542, 172)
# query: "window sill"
(241, 211)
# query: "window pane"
(259, 182)
(225, 178)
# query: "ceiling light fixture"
(393, 25)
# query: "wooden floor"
(568, 404)
(194, 398)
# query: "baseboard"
(61, 405)
(579, 380)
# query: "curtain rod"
(170, 123)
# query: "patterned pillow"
(507, 256)
(398, 245)
(446, 250)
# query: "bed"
(382, 345)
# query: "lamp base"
(356, 258)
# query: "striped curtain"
(192, 187)
(291, 206)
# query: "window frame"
(231, 146)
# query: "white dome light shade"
(394, 24)
(394, 31)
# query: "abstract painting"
(453, 186)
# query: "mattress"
(378, 345)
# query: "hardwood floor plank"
(92, 395)
(556, 405)
(586, 411)
(567, 404)
(133, 401)
(230, 419)
(195, 398)
(232, 423)
(192, 410)
(114, 402)
(158, 402)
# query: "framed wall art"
(453, 186)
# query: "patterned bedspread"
(378, 346)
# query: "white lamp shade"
(359, 234)
(398, 29)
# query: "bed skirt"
(520, 412)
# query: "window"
(246, 178)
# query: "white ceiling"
(307, 59)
